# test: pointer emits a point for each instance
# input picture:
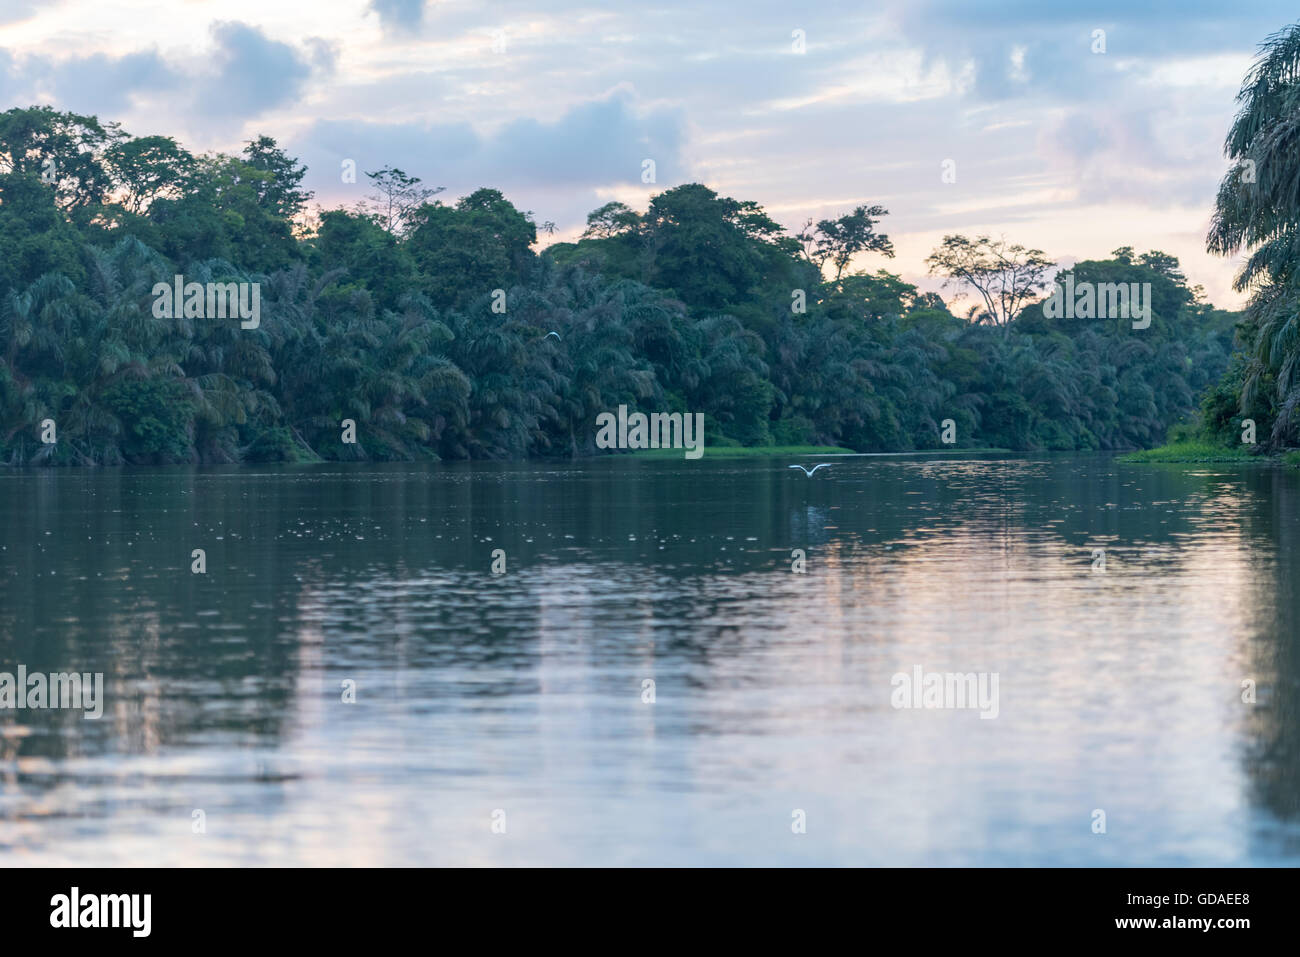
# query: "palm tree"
(1258, 208)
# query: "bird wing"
(800, 467)
(823, 465)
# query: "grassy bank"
(1192, 451)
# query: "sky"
(1054, 135)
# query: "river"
(645, 678)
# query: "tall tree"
(146, 168)
(1258, 209)
(280, 190)
(837, 241)
(396, 196)
(612, 219)
(467, 250)
(1004, 275)
(64, 149)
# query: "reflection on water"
(1120, 691)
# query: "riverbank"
(1192, 452)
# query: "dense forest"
(428, 323)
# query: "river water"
(508, 718)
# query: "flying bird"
(549, 334)
(823, 465)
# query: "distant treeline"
(427, 323)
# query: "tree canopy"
(1258, 210)
(427, 322)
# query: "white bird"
(823, 465)
(549, 334)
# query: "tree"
(146, 168)
(838, 240)
(1165, 264)
(396, 197)
(279, 190)
(711, 250)
(35, 234)
(1004, 275)
(391, 318)
(369, 255)
(467, 250)
(1258, 208)
(612, 219)
(64, 149)
(222, 214)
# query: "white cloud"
(1123, 146)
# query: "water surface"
(1120, 690)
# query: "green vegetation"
(1191, 451)
(1258, 211)
(1255, 405)
(390, 314)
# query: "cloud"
(254, 73)
(14, 10)
(244, 75)
(97, 84)
(399, 15)
(11, 83)
(106, 85)
(1056, 41)
(592, 145)
(1045, 132)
